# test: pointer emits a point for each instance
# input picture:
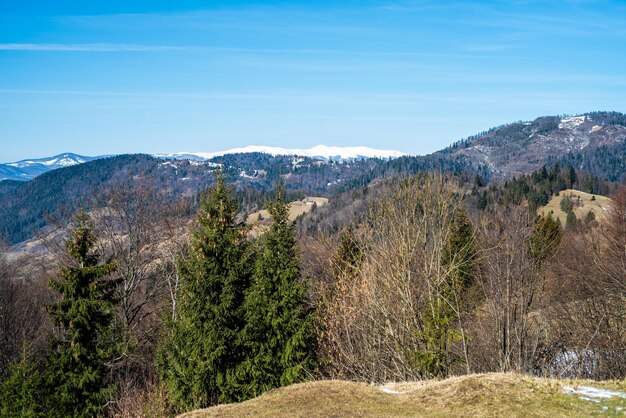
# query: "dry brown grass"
(599, 205)
(296, 208)
(494, 394)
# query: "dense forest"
(145, 305)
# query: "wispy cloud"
(111, 47)
(92, 47)
(488, 48)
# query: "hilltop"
(582, 203)
(493, 394)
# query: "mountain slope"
(523, 147)
(26, 204)
(31, 168)
(594, 142)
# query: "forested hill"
(27, 206)
(593, 142)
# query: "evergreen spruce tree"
(570, 220)
(460, 260)
(279, 336)
(76, 369)
(545, 238)
(20, 393)
(197, 361)
(349, 256)
(461, 252)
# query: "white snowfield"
(63, 162)
(568, 123)
(590, 393)
(318, 151)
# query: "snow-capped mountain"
(62, 160)
(323, 152)
(31, 168)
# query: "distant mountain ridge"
(31, 168)
(594, 142)
(323, 152)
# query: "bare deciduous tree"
(397, 315)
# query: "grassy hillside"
(296, 208)
(492, 394)
(582, 204)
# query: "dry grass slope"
(586, 204)
(261, 219)
(494, 394)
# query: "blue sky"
(104, 77)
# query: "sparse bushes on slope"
(397, 315)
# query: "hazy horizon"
(412, 76)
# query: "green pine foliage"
(461, 253)
(279, 334)
(76, 373)
(198, 358)
(570, 220)
(349, 255)
(566, 204)
(20, 392)
(460, 259)
(537, 188)
(545, 238)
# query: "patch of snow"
(169, 164)
(390, 391)
(596, 128)
(569, 123)
(296, 161)
(61, 160)
(591, 393)
(65, 162)
(569, 362)
(245, 175)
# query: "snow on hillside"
(61, 160)
(319, 151)
(568, 123)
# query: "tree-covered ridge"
(594, 143)
(537, 188)
(606, 162)
(59, 192)
(522, 147)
